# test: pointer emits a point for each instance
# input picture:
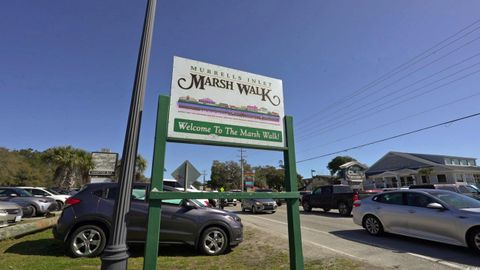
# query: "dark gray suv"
(86, 222)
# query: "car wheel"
(87, 241)
(33, 210)
(254, 210)
(214, 241)
(307, 207)
(326, 209)
(473, 240)
(343, 209)
(59, 205)
(373, 225)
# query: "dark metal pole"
(115, 256)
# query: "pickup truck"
(339, 197)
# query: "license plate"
(18, 218)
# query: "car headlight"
(234, 218)
(258, 203)
(44, 201)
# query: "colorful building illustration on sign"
(214, 103)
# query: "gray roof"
(393, 161)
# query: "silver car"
(12, 211)
(436, 215)
(37, 206)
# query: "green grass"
(40, 251)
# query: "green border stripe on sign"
(222, 130)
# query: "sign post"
(214, 105)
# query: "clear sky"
(67, 70)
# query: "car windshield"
(451, 188)
(457, 200)
(264, 200)
(467, 189)
(52, 191)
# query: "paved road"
(327, 234)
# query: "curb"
(27, 228)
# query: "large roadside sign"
(219, 104)
(104, 164)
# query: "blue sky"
(67, 71)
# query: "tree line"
(228, 175)
(61, 166)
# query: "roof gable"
(393, 161)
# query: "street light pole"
(115, 256)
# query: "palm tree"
(72, 165)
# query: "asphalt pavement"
(329, 234)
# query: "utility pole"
(115, 256)
(204, 173)
(242, 161)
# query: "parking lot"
(327, 234)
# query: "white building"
(397, 169)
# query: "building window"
(459, 177)
(463, 162)
(424, 179)
(455, 162)
(477, 178)
(442, 178)
(471, 162)
(448, 161)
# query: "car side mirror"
(435, 205)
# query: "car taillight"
(357, 203)
(71, 201)
(355, 197)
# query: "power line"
(362, 114)
(396, 70)
(310, 148)
(347, 105)
(392, 137)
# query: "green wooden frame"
(156, 194)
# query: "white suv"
(46, 192)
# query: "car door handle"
(411, 211)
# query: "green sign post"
(156, 194)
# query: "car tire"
(254, 210)
(307, 207)
(214, 241)
(33, 210)
(87, 241)
(473, 239)
(344, 209)
(373, 225)
(326, 210)
(59, 205)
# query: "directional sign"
(187, 172)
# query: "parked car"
(47, 192)
(278, 201)
(468, 190)
(179, 187)
(259, 205)
(86, 222)
(11, 211)
(35, 206)
(329, 197)
(431, 214)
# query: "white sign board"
(219, 104)
(103, 163)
